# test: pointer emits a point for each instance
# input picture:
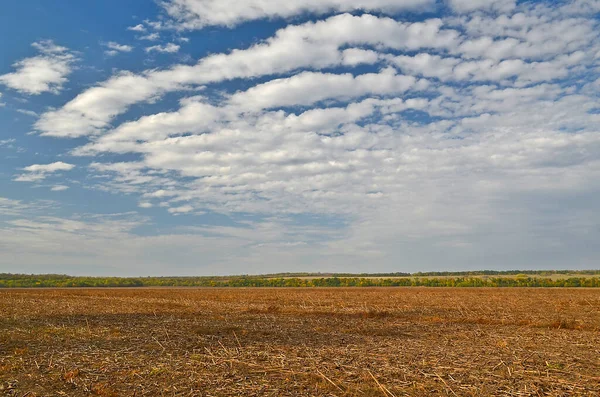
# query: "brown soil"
(300, 342)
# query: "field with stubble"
(300, 342)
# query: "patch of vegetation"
(516, 278)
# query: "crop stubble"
(300, 342)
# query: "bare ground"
(300, 342)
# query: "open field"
(300, 342)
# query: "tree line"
(521, 280)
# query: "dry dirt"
(300, 342)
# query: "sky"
(212, 137)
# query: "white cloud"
(150, 37)
(427, 65)
(145, 204)
(42, 73)
(308, 88)
(115, 48)
(32, 177)
(91, 110)
(7, 142)
(9, 207)
(184, 209)
(168, 48)
(59, 188)
(38, 172)
(311, 45)
(10, 143)
(540, 32)
(581, 7)
(119, 47)
(156, 25)
(357, 56)
(196, 14)
(53, 167)
(449, 68)
(320, 160)
(414, 183)
(197, 117)
(28, 112)
(137, 28)
(160, 193)
(488, 5)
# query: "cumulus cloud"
(38, 172)
(46, 72)
(59, 188)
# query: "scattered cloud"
(150, 37)
(28, 112)
(184, 209)
(156, 25)
(119, 47)
(137, 28)
(46, 72)
(7, 142)
(38, 172)
(9, 207)
(59, 188)
(168, 48)
(115, 48)
(58, 166)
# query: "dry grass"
(300, 342)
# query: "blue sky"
(198, 137)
